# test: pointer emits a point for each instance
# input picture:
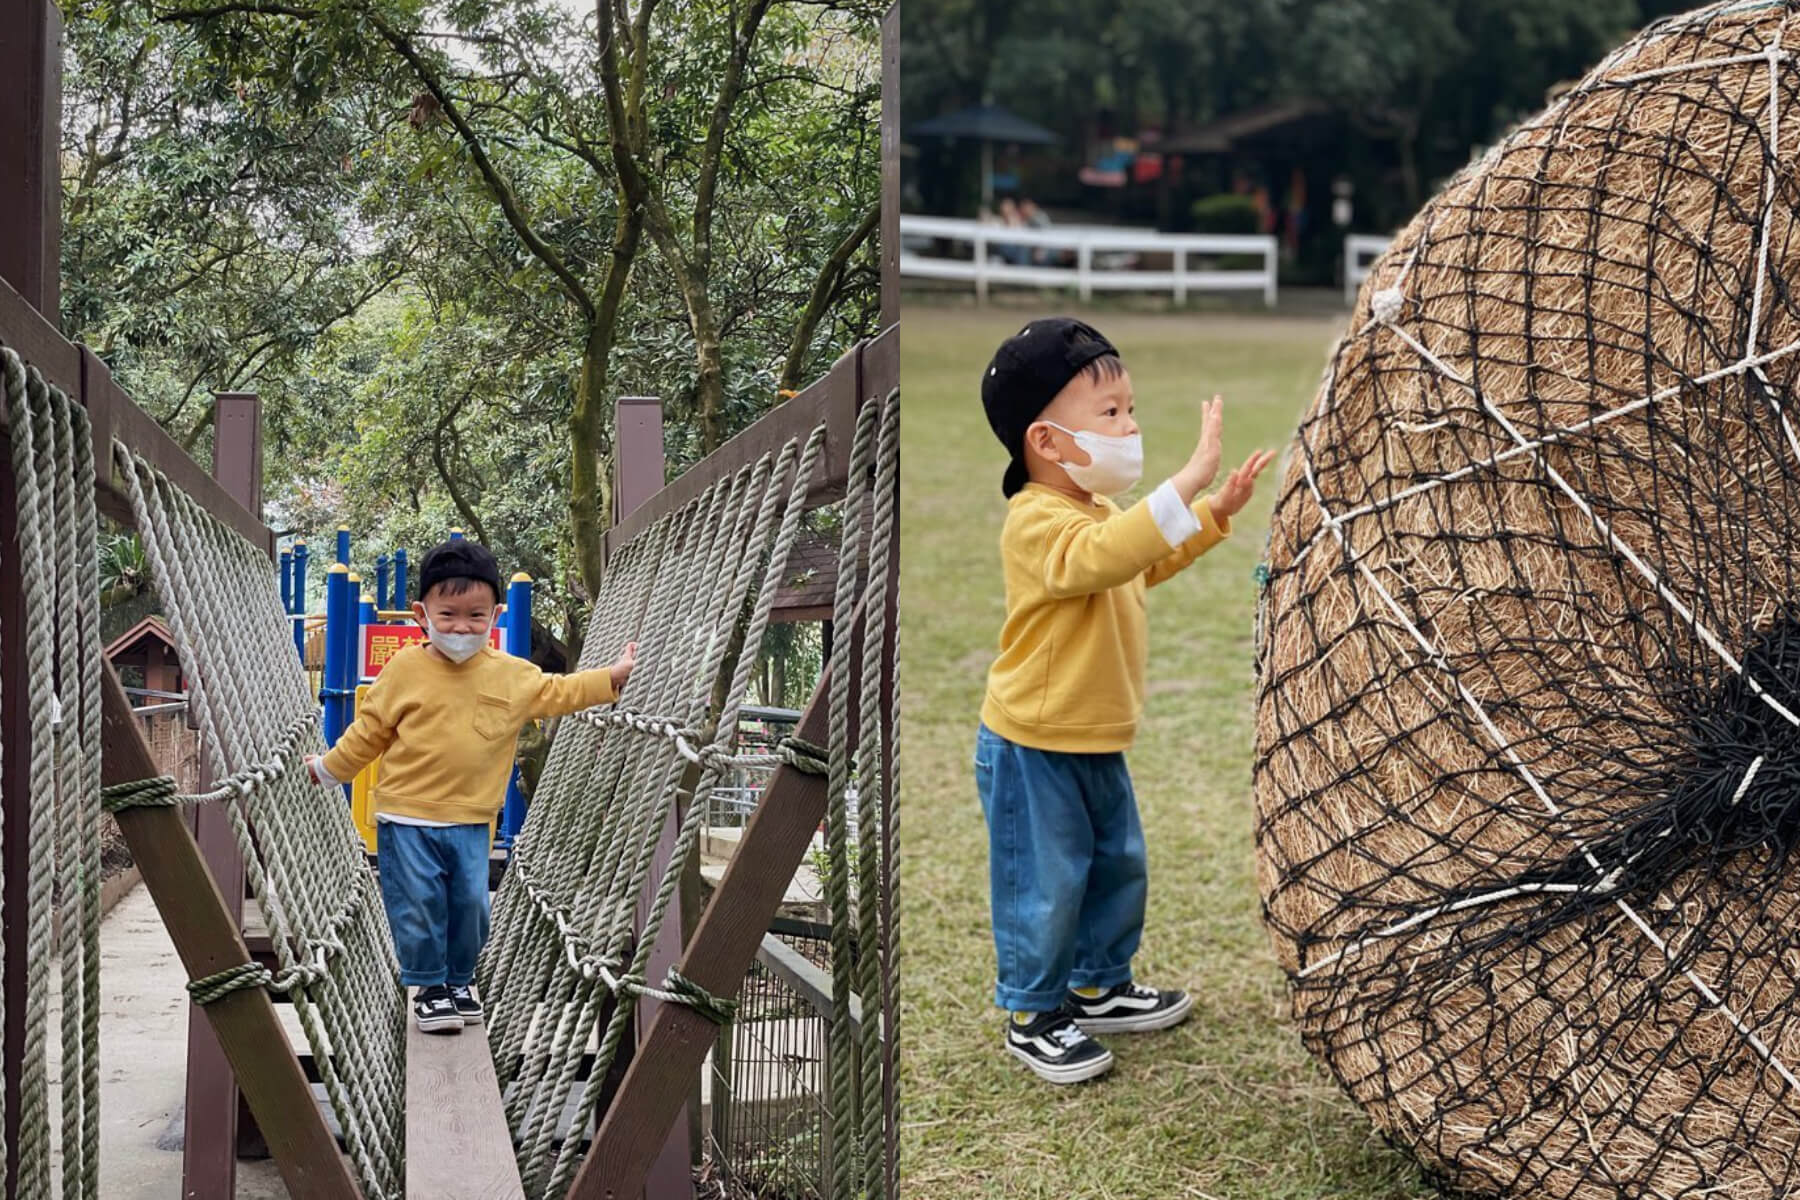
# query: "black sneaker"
(1057, 1049)
(1129, 1008)
(435, 1011)
(467, 1006)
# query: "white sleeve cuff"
(1175, 520)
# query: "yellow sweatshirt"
(445, 732)
(1070, 674)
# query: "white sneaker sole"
(1148, 1022)
(450, 1024)
(471, 1018)
(1074, 1073)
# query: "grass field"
(1229, 1105)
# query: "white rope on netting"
(302, 855)
(53, 479)
(1387, 305)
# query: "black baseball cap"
(459, 558)
(1027, 372)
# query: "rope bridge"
(695, 590)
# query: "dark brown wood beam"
(207, 940)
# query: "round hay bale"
(1528, 708)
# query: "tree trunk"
(709, 384)
(590, 491)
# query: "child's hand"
(1229, 500)
(315, 767)
(1192, 479)
(621, 670)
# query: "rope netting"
(1528, 719)
(58, 570)
(695, 590)
(302, 854)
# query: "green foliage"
(277, 198)
(1226, 212)
(1422, 82)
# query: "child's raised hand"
(1230, 499)
(621, 670)
(1203, 464)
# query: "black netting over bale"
(1528, 718)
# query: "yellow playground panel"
(362, 795)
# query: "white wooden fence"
(1360, 252)
(1101, 258)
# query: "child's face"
(468, 611)
(1102, 406)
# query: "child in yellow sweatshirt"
(1066, 860)
(444, 718)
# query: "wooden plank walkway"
(457, 1144)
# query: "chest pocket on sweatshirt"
(493, 715)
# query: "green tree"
(536, 164)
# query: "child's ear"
(1038, 438)
(418, 612)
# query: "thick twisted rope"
(52, 470)
(334, 956)
(570, 945)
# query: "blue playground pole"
(518, 644)
(343, 545)
(339, 620)
(381, 581)
(287, 581)
(456, 535)
(299, 609)
(366, 614)
(399, 592)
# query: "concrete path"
(143, 1062)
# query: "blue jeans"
(1067, 872)
(434, 885)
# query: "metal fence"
(768, 1110)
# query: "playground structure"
(591, 932)
(357, 633)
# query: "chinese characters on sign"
(382, 642)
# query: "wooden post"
(208, 940)
(30, 249)
(638, 455)
(210, 1128)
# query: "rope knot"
(232, 979)
(1386, 304)
(686, 991)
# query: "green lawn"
(1229, 1105)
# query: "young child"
(1066, 859)
(444, 717)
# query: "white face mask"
(457, 647)
(1115, 464)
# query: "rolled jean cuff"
(1110, 977)
(1017, 1000)
(421, 978)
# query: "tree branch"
(497, 185)
(824, 290)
